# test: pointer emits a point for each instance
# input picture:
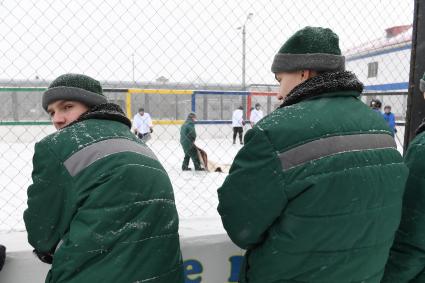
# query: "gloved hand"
(151, 130)
(44, 257)
(2, 256)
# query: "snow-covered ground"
(195, 192)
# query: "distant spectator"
(390, 118)
(237, 124)
(187, 140)
(376, 105)
(256, 115)
(2, 256)
(142, 124)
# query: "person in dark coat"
(187, 141)
(101, 207)
(315, 193)
(407, 257)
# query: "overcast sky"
(185, 41)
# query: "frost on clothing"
(407, 257)
(237, 118)
(142, 123)
(103, 204)
(256, 116)
(315, 193)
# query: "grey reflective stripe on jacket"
(96, 151)
(333, 145)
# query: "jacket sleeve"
(51, 201)
(192, 133)
(150, 124)
(251, 117)
(252, 196)
(407, 255)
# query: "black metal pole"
(415, 100)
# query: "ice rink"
(195, 192)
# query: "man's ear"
(308, 74)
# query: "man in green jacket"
(187, 140)
(407, 257)
(101, 207)
(315, 193)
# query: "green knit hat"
(74, 87)
(422, 83)
(311, 48)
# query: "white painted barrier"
(209, 255)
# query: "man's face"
(64, 112)
(288, 81)
(387, 110)
(141, 113)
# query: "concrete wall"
(209, 255)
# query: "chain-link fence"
(174, 57)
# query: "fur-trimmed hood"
(105, 111)
(324, 83)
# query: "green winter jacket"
(315, 193)
(103, 204)
(187, 135)
(407, 256)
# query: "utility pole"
(243, 27)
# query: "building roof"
(396, 36)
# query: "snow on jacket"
(315, 194)
(407, 256)
(237, 118)
(256, 116)
(102, 202)
(187, 135)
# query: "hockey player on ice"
(237, 124)
(256, 114)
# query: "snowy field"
(195, 192)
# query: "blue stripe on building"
(379, 52)
(387, 87)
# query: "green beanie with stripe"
(311, 48)
(74, 87)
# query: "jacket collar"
(325, 83)
(105, 111)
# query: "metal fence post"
(415, 101)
